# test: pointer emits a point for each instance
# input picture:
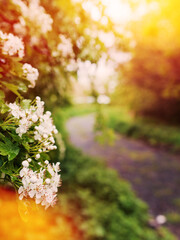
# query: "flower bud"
(47, 181)
(33, 179)
(34, 118)
(45, 135)
(37, 156)
(48, 113)
(55, 131)
(25, 163)
(38, 98)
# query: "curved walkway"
(153, 173)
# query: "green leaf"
(47, 175)
(26, 145)
(2, 95)
(13, 88)
(45, 156)
(26, 103)
(15, 137)
(1, 162)
(7, 168)
(2, 136)
(3, 107)
(22, 87)
(8, 148)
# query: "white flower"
(48, 113)
(36, 185)
(47, 180)
(11, 45)
(65, 47)
(24, 125)
(20, 27)
(23, 172)
(38, 98)
(38, 156)
(35, 14)
(55, 131)
(30, 73)
(44, 131)
(35, 122)
(72, 66)
(25, 163)
(33, 179)
(15, 110)
(161, 219)
(34, 118)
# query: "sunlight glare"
(117, 10)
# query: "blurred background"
(110, 74)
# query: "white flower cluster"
(11, 45)
(43, 128)
(20, 27)
(30, 73)
(36, 185)
(65, 46)
(36, 15)
(44, 132)
(72, 66)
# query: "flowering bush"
(57, 37)
(26, 131)
(36, 50)
(41, 44)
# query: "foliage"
(105, 205)
(76, 110)
(148, 129)
(104, 134)
(109, 208)
(27, 133)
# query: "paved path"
(153, 173)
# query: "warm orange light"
(25, 221)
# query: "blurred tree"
(151, 82)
